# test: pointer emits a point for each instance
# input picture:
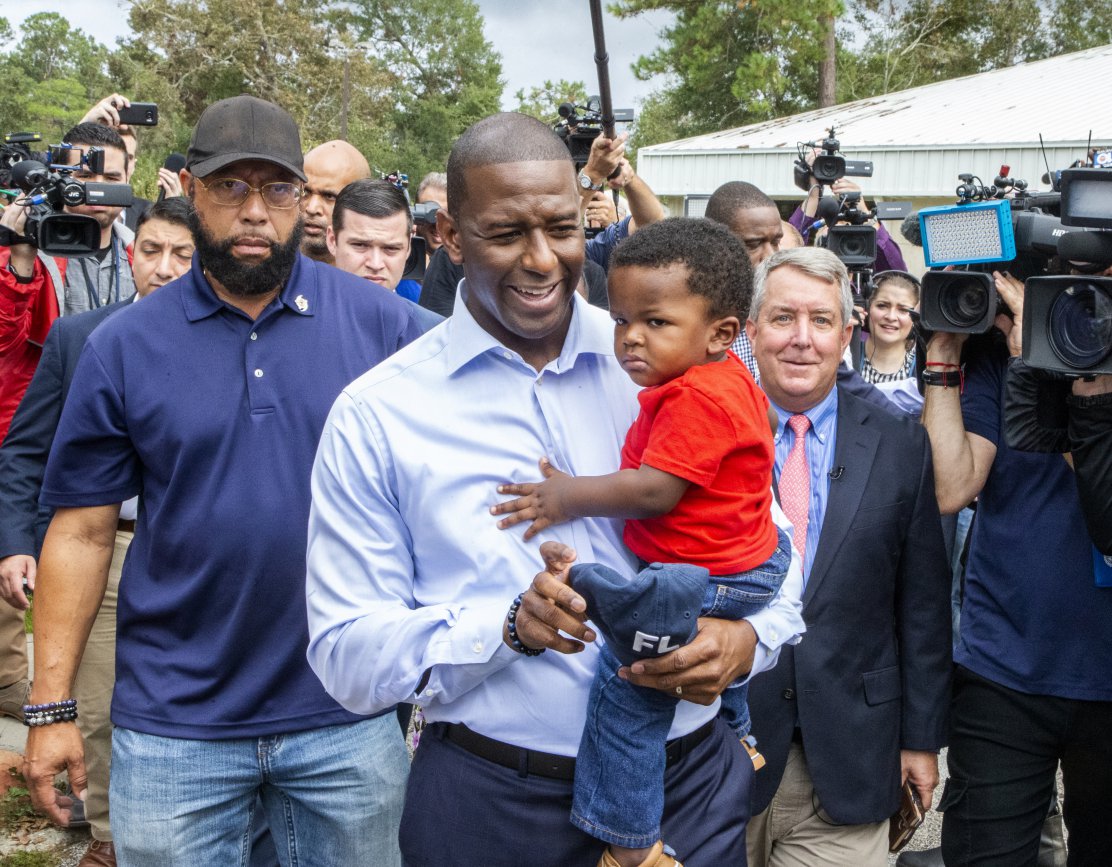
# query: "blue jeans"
(331, 796)
(619, 769)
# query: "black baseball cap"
(244, 128)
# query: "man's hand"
(14, 217)
(1011, 291)
(13, 571)
(921, 768)
(720, 653)
(945, 348)
(170, 182)
(606, 154)
(600, 211)
(50, 750)
(106, 112)
(624, 176)
(550, 607)
(539, 502)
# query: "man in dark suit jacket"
(163, 250)
(860, 704)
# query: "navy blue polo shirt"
(1032, 617)
(213, 420)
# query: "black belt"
(527, 762)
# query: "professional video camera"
(848, 237)
(48, 188)
(829, 166)
(1002, 226)
(580, 125)
(1067, 320)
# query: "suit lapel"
(855, 450)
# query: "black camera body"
(580, 125)
(829, 166)
(50, 188)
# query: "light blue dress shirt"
(408, 571)
(821, 440)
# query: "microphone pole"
(602, 63)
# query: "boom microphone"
(1093, 247)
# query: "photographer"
(1031, 686)
(107, 113)
(607, 157)
(35, 288)
(888, 255)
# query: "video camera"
(1039, 238)
(848, 236)
(829, 166)
(579, 126)
(48, 189)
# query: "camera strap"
(92, 282)
(8, 238)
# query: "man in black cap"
(207, 401)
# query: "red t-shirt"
(710, 427)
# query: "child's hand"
(539, 502)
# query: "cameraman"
(35, 288)
(1031, 685)
(888, 255)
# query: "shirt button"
(789, 694)
(254, 336)
(258, 373)
(429, 693)
(477, 647)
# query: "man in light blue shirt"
(410, 580)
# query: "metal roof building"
(919, 139)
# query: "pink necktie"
(795, 483)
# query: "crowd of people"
(670, 580)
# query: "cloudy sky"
(538, 39)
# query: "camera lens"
(853, 245)
(964, 303)
(1079, 327)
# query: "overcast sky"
(538, 39)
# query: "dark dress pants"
(468, 812)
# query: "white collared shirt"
(408, 571)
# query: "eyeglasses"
(232, 192)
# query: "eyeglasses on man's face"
(233, 192)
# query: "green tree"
(731, 63)
(187, 54)
(543, 101)
(445, 74)
(51, 76)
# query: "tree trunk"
(827, 67)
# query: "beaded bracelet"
(511, 628)
(52, 712)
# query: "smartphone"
(139, 114)
(907, 820)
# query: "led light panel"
(964, 234)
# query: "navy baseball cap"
(244, 128)
(649, 616)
